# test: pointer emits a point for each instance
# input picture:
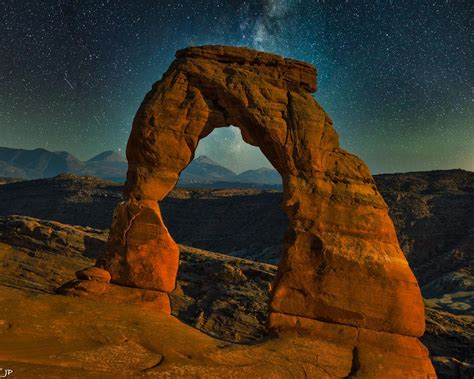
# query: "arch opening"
(227, 147)
(239, 210)
(214, 209)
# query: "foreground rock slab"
(101, 291)
(374, 354)
(222, 296)
(77, 337)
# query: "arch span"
(341, 264)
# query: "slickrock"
(110, 293)
(210, 295)
(374, 354)
(94, 283)
(341, 262)
(52, 236)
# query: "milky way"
(395, 76)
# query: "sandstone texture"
(63, 337)
(225, 297)
(431, 212)
(341, 261)
(94, 283)
(59, 336)
(100, 291)
(424, 206)
(52, 236)
(144, 255)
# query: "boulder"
(99, 291)
(94, 273)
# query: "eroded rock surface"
(42, 255)
(211, 295)
(341, 262)
(92, 289)
(425, 206)
(144, 254)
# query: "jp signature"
(4, 372)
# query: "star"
(395, 77)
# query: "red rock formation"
(94, 289)
(342, 263)
(145, 255)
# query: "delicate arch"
(341, 264)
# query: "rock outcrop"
(52, 236)
(341, 263)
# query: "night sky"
(395, 76)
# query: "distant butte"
(343, 278)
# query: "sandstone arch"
(342, 264)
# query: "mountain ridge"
(41, 163)
(203, 171)
(107, 156)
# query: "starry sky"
(395, 76)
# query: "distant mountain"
(107, 165)
(32, 164)
(108, 156)
(71, 160)
(204, 170)
(41, 163)
(263, 175)
(9, 171)
(201, 172)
